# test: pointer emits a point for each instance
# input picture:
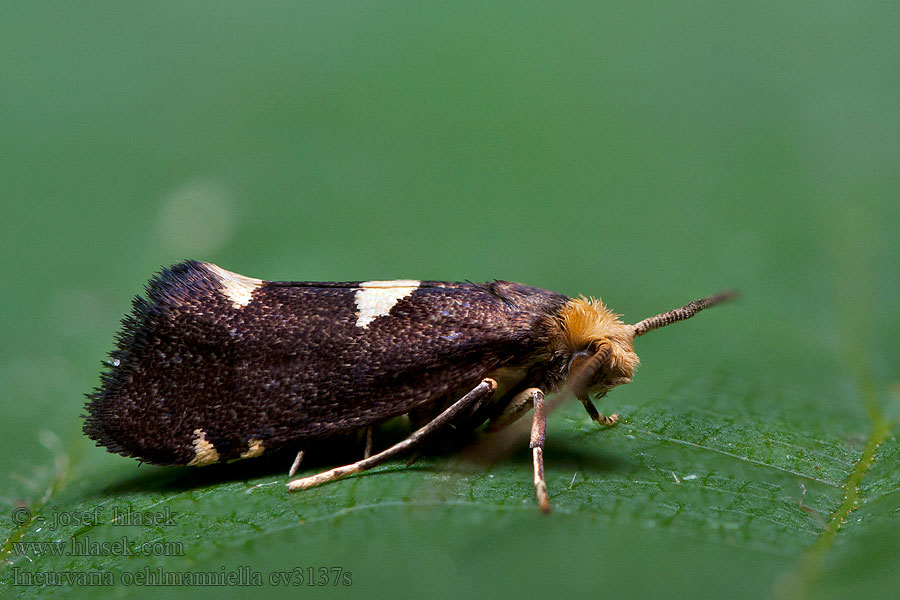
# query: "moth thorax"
(584, 325)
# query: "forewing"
(237, 365)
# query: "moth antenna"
(680, 314)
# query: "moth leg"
(538, 436)
(368, 451)
(595, 415)
(485, 388)
(296, 464)
(517, 407)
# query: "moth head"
(600, 346)
(597, 343)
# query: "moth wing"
(213, 365)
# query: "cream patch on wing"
(376, 298)
(204, 452)
(255, 448)
(237, 288)
(507, 378)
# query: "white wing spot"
(376, 298)
(204, 452)
(255, 448)
(237, 288)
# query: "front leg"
(595, 414)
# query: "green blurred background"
(648, 153)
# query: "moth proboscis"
(213, 366)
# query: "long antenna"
(679, 314)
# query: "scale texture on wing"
(228, 366)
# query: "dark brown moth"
(213, 366)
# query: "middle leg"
(485, 388)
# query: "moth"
(213, 366)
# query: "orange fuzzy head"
(585, 326)
(601, 347)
